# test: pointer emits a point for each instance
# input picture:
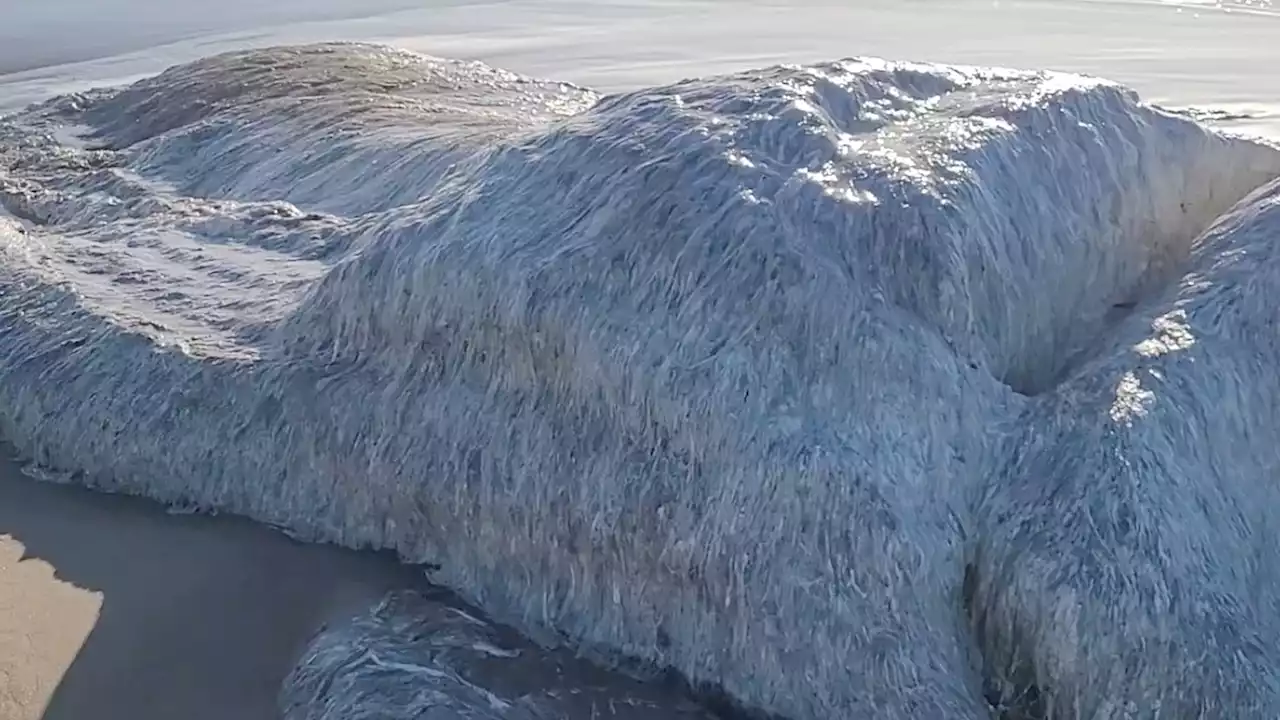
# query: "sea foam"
(821, 386)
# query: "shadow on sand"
(200, 617)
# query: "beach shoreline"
(112, 608)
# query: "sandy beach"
(106, 599)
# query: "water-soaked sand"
(112, 609)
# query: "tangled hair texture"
(855, 390)
(1126, 564)
(372, 667)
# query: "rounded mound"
(419, 657)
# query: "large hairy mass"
(855, 390)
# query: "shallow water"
(1209, 54)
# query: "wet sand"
(114, 610)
